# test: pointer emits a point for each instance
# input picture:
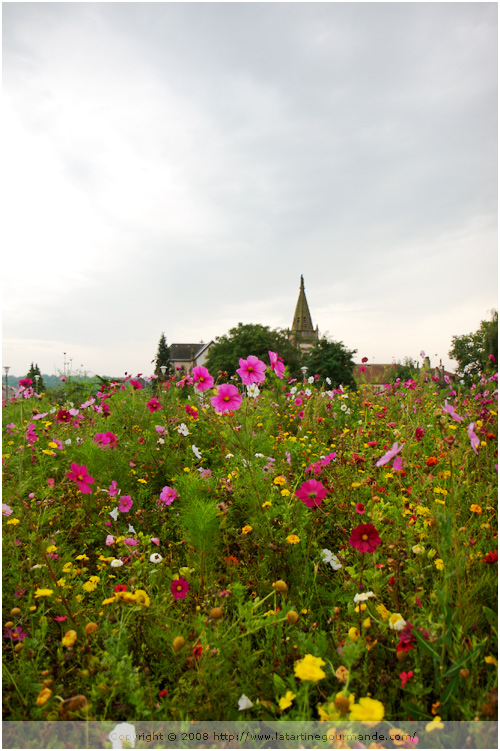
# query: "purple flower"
(389, 454)
(16, 634)
(448, 409)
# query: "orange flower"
(431, 461)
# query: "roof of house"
(187, 352)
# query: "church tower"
(302, 331)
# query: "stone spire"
(302, 326)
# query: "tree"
(331, 360)
(476, 353)
(404, 370)
(252, 339)
(163, 358)
(38, 383)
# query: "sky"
(176, 167)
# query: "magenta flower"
(311, 493)
(82, 478)
(419, 434)
(251, 370)
(474, 440)
(389, 454)
(202, 378)
(153, 405)
(125, 504)
(365, 538)
(360, 509)
(179, 588)
(168, 495)
(276, 364)
(130, 541)
(228, 398)
(448, 409)
(136, 385)
(397, 464)
(16, 634)
(113, 489)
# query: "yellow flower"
(353, 634)
(144, 482)
(285, 492)
(51, 549)
(280, 480)
(397, 622)
(13, 521)
(439, 563)
(246, 529)
(436, 724)
(490, 660)
(67, 567)
(266, 504)
(383, 612)
(89, 586)
(293, 539)
(43, 696)
(476, 509)
(69, 639)
(142, 598)
(109, 600)
(43, 592)
(367, 710)
(48, 452)
(367, 623)
(81, 558)
(309, 668)
(286, 700)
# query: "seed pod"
(179, 642)
(464, 673)
(216, 614)
(73, 704)
(90, 628)
(342, 704)
(292, 617)
(18, 648)
(280, 586)
(9, 624)
(15, 611)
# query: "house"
(303, 334)
(184, 357)
(375, 376)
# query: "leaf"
(449, 690)
(279, 684)
(426, 645)
(491, 616)
(459, 664)
(414, 711)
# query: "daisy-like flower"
(116, 563)
(311, 493)
(168, 495)
(227, 399)
(363, 596)
(153, 405)
(244, 703)
(277, 364)
(329, 557)
(251, 370)
(202, 378)
(179, 588)
(309, 669)
(80, 475)
(365, 538)
(125, 504)
(253, 390)
(293, 539)
(155, 558)
(183, 429)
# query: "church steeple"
(302, 326)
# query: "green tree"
(331, 360)
(404, 370)
(472, 351)
(38, 383)
(163, 358)
(252, 339)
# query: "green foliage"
(471, 351)
(163, 358)
(38, 383)
(331, 360)
(404, 371)
(252, 339)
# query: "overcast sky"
(175, 167)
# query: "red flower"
(491, 557)
(136, 385)
(120, 588)
(431, 461)
(163, 693)
(405, 677)
(63, 416)
(311, 493)
(365, 538)
(197, 651)
(179, 588)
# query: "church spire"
(302, 322)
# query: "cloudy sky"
(175, 167)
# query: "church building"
(302, 332)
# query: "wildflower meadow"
(214, 548)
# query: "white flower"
(155, 558)
(196, 451)
(397, 625)
(67, 442)
(293, 389)
(38, 565)
(310, 379)
(160, 440)
(363, 596)
(116, 563)
(253, 390)
(124, 732)
(131, 529)
(417, 549)
(183, 429)
(308, 392)
(114, 513)
(329, 557)
(328, 380)
(229, 456)
(260, 456)
(244, 703)
(343, 407)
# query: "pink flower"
(16, 634)
(276, 364)
(125, 504)
(6, 510)
(419, 434)
(451, 412)
(60, 618)
(110, 540)
(360, 509)
(397, 464)
(311, 493)
(228, 398)
(153, 405)
(179, 588)
(389, 454)
(113, 489)
(63, 416)
(474, 440)
(202, 378)
(136, 385)
(130, 541)
(155, 540)
(168, 495)
(251, 370)
(82, 478)
(405, 677)
(25, 382)
(365, 538)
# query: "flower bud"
(15, 611)
(280, 586)
(179, 642)
(9, 624)
(216, 614)
(90, 628)
(464, 673)
(292, 617)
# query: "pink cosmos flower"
(82, 478)
(25, 382)
(311, 493)
(16, 634)
(251, 370)
(60, 618)
(153, 405)
(63, 416)
(110, 540)
(397, 464)
(360, 509)
(365, 538)
(389, 454)
(113, 489)
(6, 510)
(125, 504)
(130, 541)
(168, 495)
(228, 398)
(277, 364)
(155, 540)
(451, 412)
(202, 378)
(31, 436)
(136, 385)
(179, 588)
(474, 440)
